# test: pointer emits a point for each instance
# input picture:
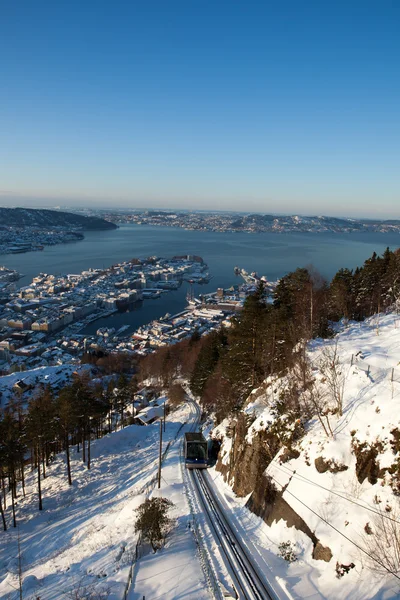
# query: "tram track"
(247, 578)
(248, 581)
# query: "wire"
(370, 508)
(337, 530)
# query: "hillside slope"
(326, 487)
(38, 217)
(83, 542)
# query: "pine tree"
(122, 397)
(212, 348)
(243, 363)
(341, 300)
(67, 422)
(11, 449)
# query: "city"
(250, 223)
(42, 323)
(200, 300)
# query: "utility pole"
(159, 457)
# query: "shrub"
(287, 551)
(153, 521)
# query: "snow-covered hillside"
(332, 489)
(56, 377)
(84, 538)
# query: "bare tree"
(333, 373)
(383, 543)
(85, 589)
(314, 397)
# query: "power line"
(339, 532)
(370, 508)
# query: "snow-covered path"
(175, 572)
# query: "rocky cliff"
(317, 458)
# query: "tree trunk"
(2, 515)
(14, 483)
(39, 482)
(13, 506)
(23, 476)
(47, 454)
(68, 459)
(88, 452)
(83, 445)
(3, 483)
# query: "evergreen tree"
(213, 346)
(67, 422)
(122, 397)
(243, 364)
(11, 449)
(341, 300)
(41, 431)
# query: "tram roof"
(194, 437)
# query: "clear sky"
(276, 106)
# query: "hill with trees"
(304, 392)
(40, 217)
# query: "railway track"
(248, 582)
(247, 578)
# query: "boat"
(18, 250)
(122, 329)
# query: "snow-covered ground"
(84, 538)
(57, 377)
(173, 573)
(85, 535)
(335, 505)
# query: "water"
(270, 254)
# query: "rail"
(205, 560)
(247, 579)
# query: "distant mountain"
(258, 222)
(40, 217)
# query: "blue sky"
(275, 106)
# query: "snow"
(371, 410)
(56, 376)
(85, 535)
(174, 572)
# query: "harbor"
(56, 319)
(44, 323)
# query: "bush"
(287, 551)
(153, 521)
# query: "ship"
(19, 249)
